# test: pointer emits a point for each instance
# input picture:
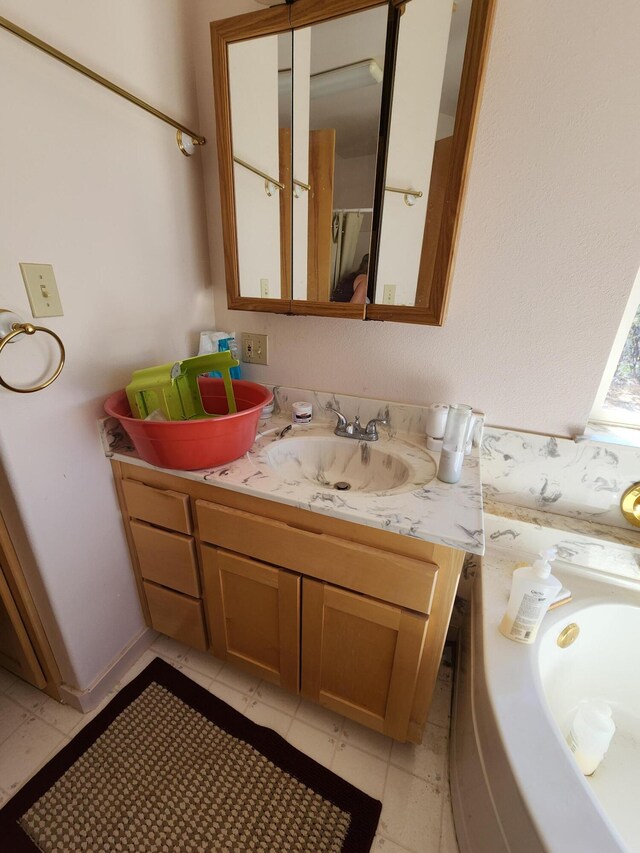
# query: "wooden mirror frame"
(433, 286)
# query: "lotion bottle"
(533, 589)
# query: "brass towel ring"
(28, 329)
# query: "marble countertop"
(423, 507)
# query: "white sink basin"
(347, 465)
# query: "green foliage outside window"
(624, 392)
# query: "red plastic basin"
(200, 443)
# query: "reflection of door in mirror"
(337, 101)
(261, 138)
(429, 60)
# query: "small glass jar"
(453, 443)
(301, 413)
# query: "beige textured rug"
(187, 774)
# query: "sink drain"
(342, 486)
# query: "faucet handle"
(342, 421)
(371, 428)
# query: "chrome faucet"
(355, 429)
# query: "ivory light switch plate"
(255, 348)
(264, 288)
(42, 290)
(389, 294)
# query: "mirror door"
(299, 94)
(440, 56)
(338, 85)
(252, 60)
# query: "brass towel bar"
(410, 196)
(98, 78)
(267, 178)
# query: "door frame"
(21, 606)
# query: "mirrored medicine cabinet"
(344, 138)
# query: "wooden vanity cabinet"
(352, 617)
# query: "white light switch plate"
(389, 294)
(42, 290)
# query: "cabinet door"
(254, 615)
(360, 657)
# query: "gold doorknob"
(630, 504)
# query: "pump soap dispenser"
(533, 589)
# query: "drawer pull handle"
(304, 529)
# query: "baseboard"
(87, 700)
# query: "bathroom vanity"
(279, 577)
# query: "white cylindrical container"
(436, 419)
(301, 413)
(453, 443)
(590, 734)
(435, 422)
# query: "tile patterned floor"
(412, 781)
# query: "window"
(618, 400)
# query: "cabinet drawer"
(165, 508)
(166, 558)
(176, 615)
(400, 580)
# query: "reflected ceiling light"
(357, 75)
(354, 76)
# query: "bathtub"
(514, 783)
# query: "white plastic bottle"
(590, 734)
(532, 591)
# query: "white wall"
(549, 243)
(98, 188)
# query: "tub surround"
(593, 545)
(581, 480)
(421, 507)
